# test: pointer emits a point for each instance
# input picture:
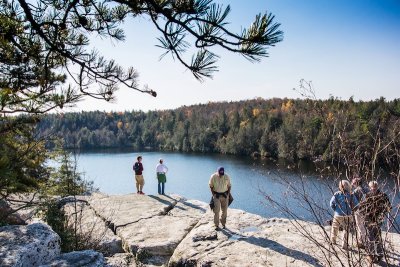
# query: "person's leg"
(378, 244)
(141, 184)
(217, 208)
(159, 188)
(361, 237)
(370, 247)
(335, 228)
(141, 188)
(224, 208)
(346, 224)
(162, 188)
(137, 183)
(363, 231)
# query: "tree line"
(285, 128)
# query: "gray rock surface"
(251, 240)
(93, 230)
(30, 245)
(24, 207)
(172, 231)
(151, 227)
(120, 259)
(85, 258)
(122, 210)
(8, 215)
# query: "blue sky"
(347, 48)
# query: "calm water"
(252, 180)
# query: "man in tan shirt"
(220, 185)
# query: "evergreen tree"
(44, 42)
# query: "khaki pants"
(220, 203)
(346, 223)
(139, 182)
(361, 231)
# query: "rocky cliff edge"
(169, 230)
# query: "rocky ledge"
(136, 230)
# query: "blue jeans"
(161, 187)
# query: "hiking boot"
(223, 226)
(141, 192)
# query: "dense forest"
(286, 128)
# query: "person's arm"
(356, 203)
(212, 191)
(332, 203)
(210, 183)
(387, 204)
(229, 185)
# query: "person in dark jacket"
(374, 209)
(138, 169)
(342, 203)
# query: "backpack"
(136, 167)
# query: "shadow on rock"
(167, 202)
(270, 244)
(273, 245)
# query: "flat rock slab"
(151, 227)
(25, 206)
(93, 230)
(127, 209)
(30, 245)
(120, 260)
(251, 240)
(85, 258)
(158, 235)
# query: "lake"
(253, 180)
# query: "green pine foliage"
(64, 179)
(287, 128)
(48, 60)
(22, 156)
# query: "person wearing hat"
(161, 171)
(220, 185)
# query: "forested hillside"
(287, 128)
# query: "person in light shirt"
(220, 185)
(161, 171)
